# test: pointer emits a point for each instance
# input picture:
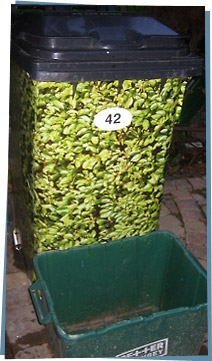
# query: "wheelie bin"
(94, 99)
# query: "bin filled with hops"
(94, 100)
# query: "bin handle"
(43, 317)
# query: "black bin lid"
(94, 45)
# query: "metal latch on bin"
(17, 239)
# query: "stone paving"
(183, 212)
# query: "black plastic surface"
(84, 46)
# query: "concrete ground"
(183, 212)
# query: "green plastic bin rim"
(125, 323)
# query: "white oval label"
(113, 119)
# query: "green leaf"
(49, 167)
(65, 219)
(68, 129)
(85, 118)
(147, 188)
(154, 106)
(95, 140)
(58, 104)
(89, 163)
(68, 122)
(155, 178)
(129, 102)
(126, 84)
(104, 155)
(136, 157)
(105, 213)
(82, 131)
(62, 211)
(145, 124)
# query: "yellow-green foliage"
(85, 185)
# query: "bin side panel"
(129, 277)
(201, 293)
(185, 285)
(152, 262)
(22, 122)
(90, 185)
(179, 334)
(97, 288)
(83, 185)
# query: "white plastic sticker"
(113, 119)
(153, 349)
